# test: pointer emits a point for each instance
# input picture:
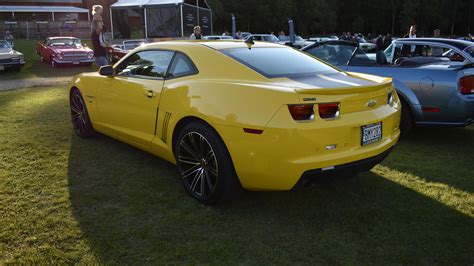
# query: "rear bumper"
(344, 169)
(278, 158)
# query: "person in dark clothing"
(98, 45)
(387, 41)
(379, 43)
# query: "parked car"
(9, 58)
(299, 42)
(265, 118)
(366, 46)
(120, 50)
(435, 88)
(217, 37)
(64, 51)
(264, 38)
(323, 38)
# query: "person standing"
(97, 36)
(238, 35)
(196, 34)
(411, 33)
(283, 37)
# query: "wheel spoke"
(212, 171)
(195, 180)
(189, 150)
(75, 109)
(188, 160)
(191, 170)
(208, 179)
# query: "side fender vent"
(164, 132)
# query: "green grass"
(68, 200)
(34, 68)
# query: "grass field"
(67, 200)
(34, 68)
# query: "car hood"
(8, 53)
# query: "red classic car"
(64, 51)
(118, 51)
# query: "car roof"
(213, 44)
(460, 44)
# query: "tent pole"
(111, 23)
(146, 25)
(52, 13)
(198, 19)
(182, 24)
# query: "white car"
(9, 58)
(217, 37)
(299, 42)
(263, 38)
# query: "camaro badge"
(371, 103)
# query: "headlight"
(90, 55)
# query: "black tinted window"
(182, 66)
(146, 64)
(279, 62)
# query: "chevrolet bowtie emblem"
(371, 103)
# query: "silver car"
(434, 77)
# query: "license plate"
(2, 67)
(76, 63)
(371, 134)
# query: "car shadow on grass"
(132, 209)
(437, 154)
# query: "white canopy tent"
(164, 18)
(43, 9)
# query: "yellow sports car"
(233, 114)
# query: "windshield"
(279, 62)
(65, 42)
(341, 55)
(4, 45)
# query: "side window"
(182, 66)
(146, 64)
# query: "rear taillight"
(467, 85)
(328, 110)
(302, 112)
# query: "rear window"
(279, 62)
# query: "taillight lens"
(328, 110)
(302, 112)
(467, 85)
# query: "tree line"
(313, 17)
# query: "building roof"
(48, 9)
(140, 3)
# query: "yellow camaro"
(231, 114)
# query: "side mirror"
(106, 71)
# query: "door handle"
(150, 94)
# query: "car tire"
(80, 116)
(205, 166)
(406, 123)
